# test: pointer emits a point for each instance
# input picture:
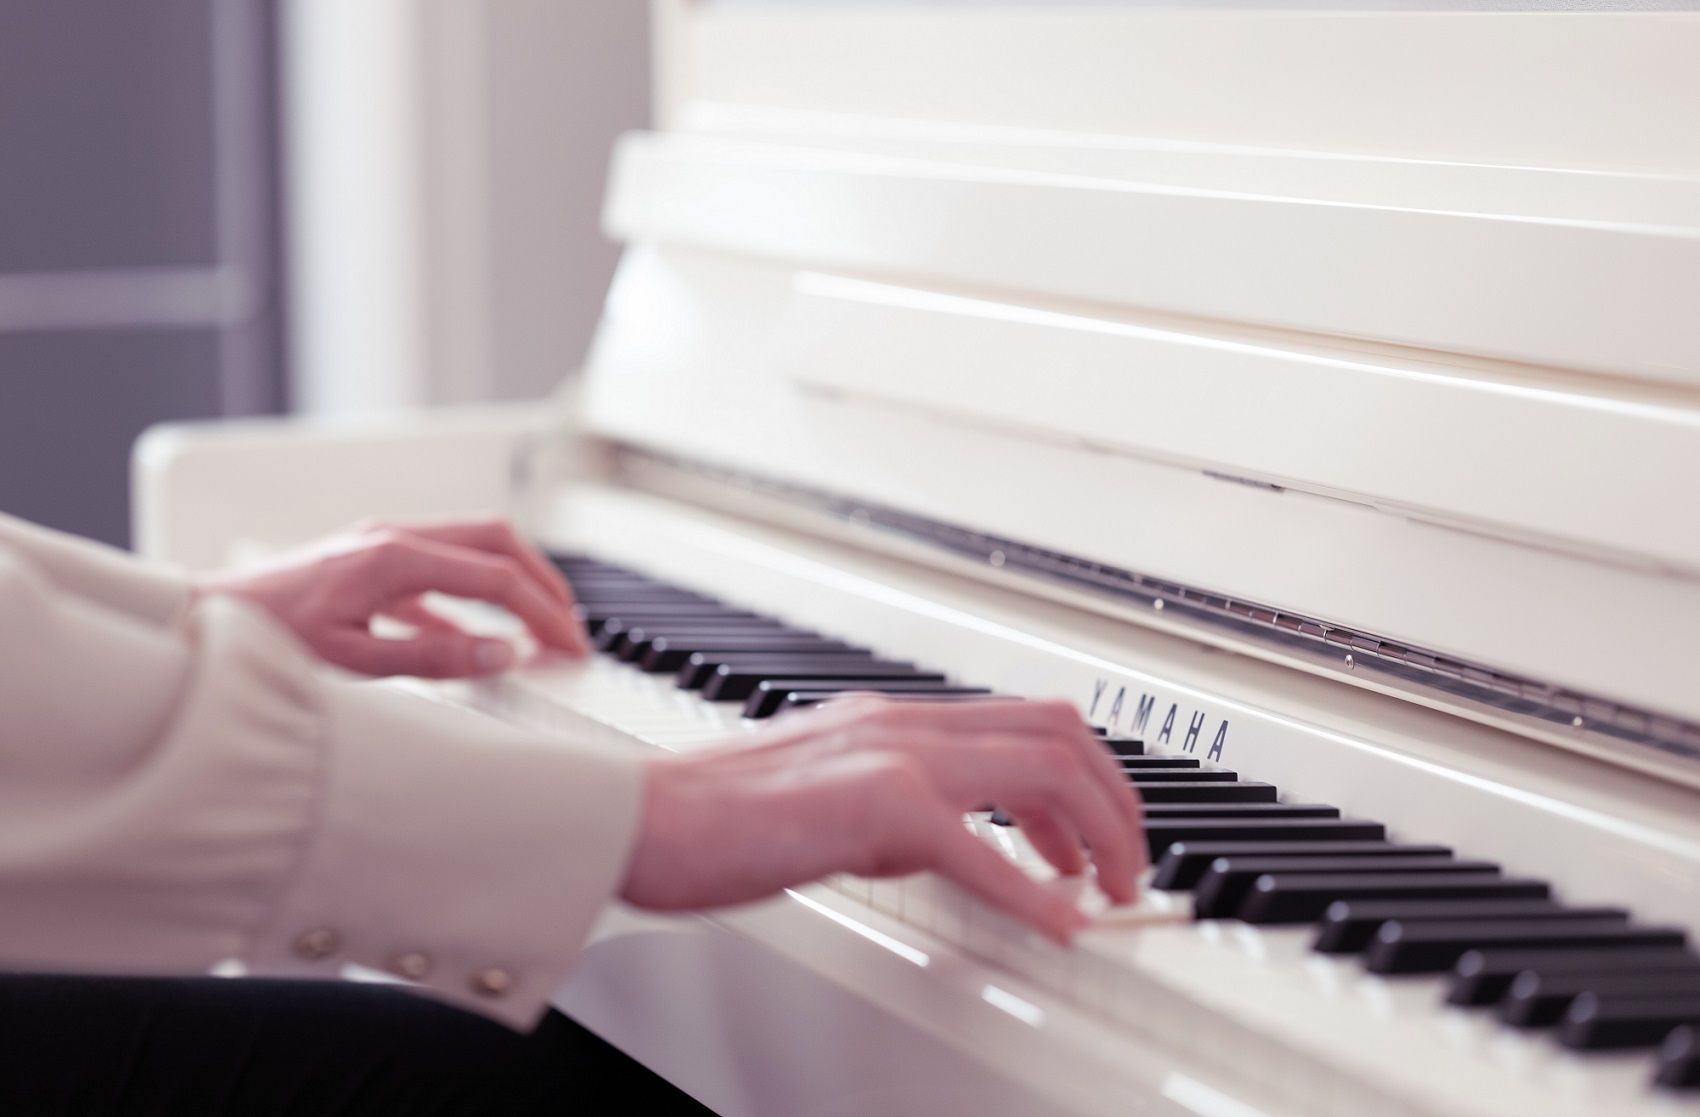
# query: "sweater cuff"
(453, 851)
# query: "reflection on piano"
(1312, 398)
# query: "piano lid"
(1150, 299)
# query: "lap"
(99, 1045)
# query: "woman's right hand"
(878, 787)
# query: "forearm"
(173, 798)
(105, 575)
(453, 850)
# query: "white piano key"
(886, 896)
(1245, 1004)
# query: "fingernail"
(493, 655)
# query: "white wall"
(445, 163)
(572, 75)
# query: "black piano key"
(1482, 977)
(596, 570)
(782, 698)
(610, 629)
(633, 640)
(772, 695)
(1350, 927)
(602, 572)
(1223, 887)
(1304, 897)
(1188, 775)
(591, 591)
(596, 611)
(683, 612)
(617, 580)
(1232, 811)
(1434, 947)
(1141, 764)
(1679, 1060)
(1160, 834)
(598, 620)
(577, 560)
(602, 612)
(633, 645)
(1174, 791)
(590, 564)
(1596, 1023)
(669, 653)
(700, 666)
(1541, 1000)
(733, 684)
(695, 626)
(1184, 862)
(1123, 746)
(593, 606)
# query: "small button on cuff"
(492, 982)
(414, 965)
(317, 944)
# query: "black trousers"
(80, 1046)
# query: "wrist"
(644, 884)
(214, 584)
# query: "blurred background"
(328, 207)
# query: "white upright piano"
(1312, 397)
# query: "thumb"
(431, 654)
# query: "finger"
(1070, 791)
(980, 869)
(1053, 841)
(429, 655)
(1117, 851)
(408, 566)
(413, 611)
(497, 537)
(1058, 768)
(1123, 798)
(1061, 719)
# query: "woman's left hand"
(329, 594)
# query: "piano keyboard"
(1588, 991)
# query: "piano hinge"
(1560, 707)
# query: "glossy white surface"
(1604, 833)
(201, 489)
(1155, 1017)
(702, 356)
(1500, 283)
(1149, 1010)
(1077, 262)
(1495, 89)
(1163, 394)
(1034, 271)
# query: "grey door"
(138, 271)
